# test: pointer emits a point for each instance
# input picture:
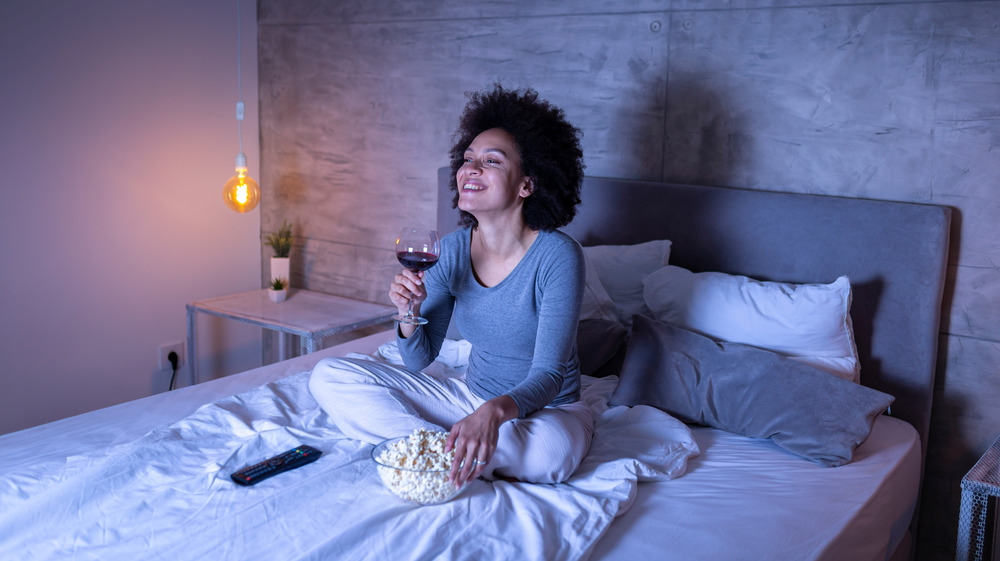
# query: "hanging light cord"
(239, 75)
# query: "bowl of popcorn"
(416, 467)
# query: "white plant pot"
(280, 269)
(277, 295)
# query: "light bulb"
(241, 192)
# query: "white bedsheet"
(168, 496)
(746, 499)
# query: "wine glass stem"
(409, 311)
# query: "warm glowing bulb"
(241, 192)
(241, 188)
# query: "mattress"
(743, 498)
(725, 497)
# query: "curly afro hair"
(549, 147)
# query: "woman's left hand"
(474, 438)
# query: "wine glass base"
(411, 320)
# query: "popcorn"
(425, 465)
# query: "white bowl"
(420, 486)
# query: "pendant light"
(241, 192)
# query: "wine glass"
(417, 249)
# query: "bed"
(150, 479)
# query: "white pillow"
(596, 302)
(808, 322)
(621, 270)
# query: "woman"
(513, 284)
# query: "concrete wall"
(890, 100)
(117, 133)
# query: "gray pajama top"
(522, 331)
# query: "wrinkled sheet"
(168, 496)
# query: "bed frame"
(898, 286)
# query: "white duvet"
(168, 496)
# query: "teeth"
(472, 187)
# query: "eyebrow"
(489, 150)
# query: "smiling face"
(490, 181)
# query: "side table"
(309, 315)
(980, 487)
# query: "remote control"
(283, 462)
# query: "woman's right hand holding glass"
(407, 286)
(417, 249)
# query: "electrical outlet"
(165, 349)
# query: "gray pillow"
(748, 391)
(597, 342)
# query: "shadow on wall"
(949, 455)
(633, 147)
(687, 136)
(704, 140)
(948, 459)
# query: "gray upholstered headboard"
(895, 255)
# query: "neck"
(506, 240)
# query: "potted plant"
(278, 290)
(281, 242)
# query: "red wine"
(416, 260)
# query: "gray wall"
(894, 100)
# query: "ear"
(527, 188)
